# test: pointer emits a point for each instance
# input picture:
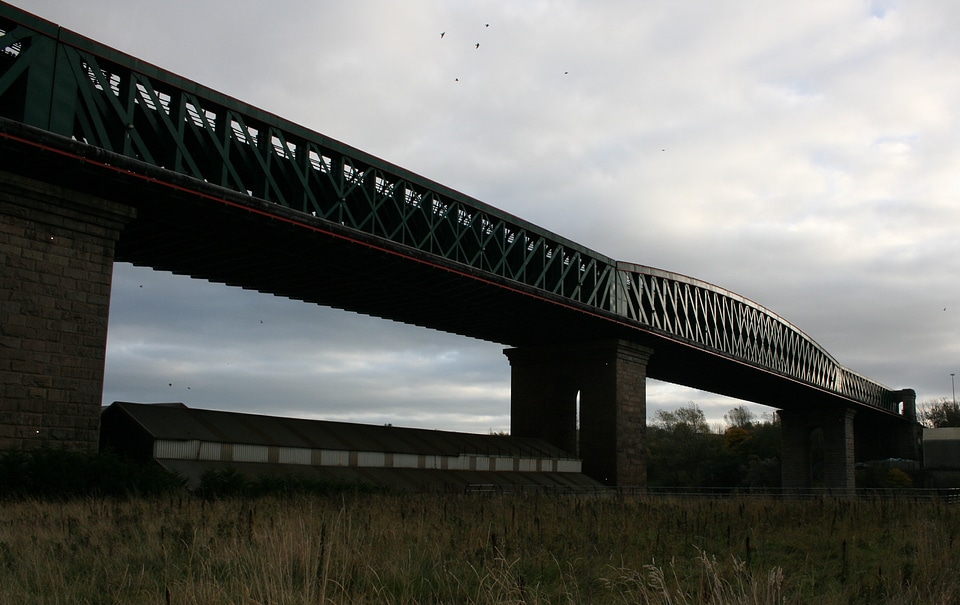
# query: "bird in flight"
(478, 45)
(442, 34)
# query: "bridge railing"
(56, 80)
(722, 321)
(717, 319)
(61, 82)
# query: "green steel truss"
(56, 80)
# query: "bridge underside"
(192, 228)
(409, 250)
(206, 232)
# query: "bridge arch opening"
(173, 338)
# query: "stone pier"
(56, 250)
(817, 449)
(610, 378)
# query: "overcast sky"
(805, 155)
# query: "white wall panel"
(227, 452)
(374, 459)
(528, 465)
(245, 452)
(294, 455)
(334, 458)
(406, 461)
(176, 450)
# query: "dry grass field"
(477, 550)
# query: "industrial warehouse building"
(941, 457)
(192, 441)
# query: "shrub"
(896, 478)
(59, 473)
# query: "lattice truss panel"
(93, 94)
(164, 122)
(719, 320)
(722, 322)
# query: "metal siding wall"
(210, 451)
(334, 458)
(176, 450)
(294, 455)
(406, 461)
(244, 452)
(373, 459)
(227, 452)
(528, 465)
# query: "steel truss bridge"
(231, 193)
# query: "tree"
(736, 437)
(755, 445)
(686, 419)
(940, 414)
(739, 417)
(683, 452)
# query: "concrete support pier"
(56, 250)
(879, 437)
(817, 449)
(610, 378)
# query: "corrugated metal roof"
(178, 422)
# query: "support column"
(908, 402)
(611, 379)
(57, 250)
(817, 449)
(543, 396)
(909, 434)
(882, 436)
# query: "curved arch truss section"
(58, 81)
(724, 322)
(710, 317)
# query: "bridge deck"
(232, 194)
(216, 234)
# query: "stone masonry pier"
(610, 378)
(57, 250)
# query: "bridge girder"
(233, 194)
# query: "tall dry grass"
(478, 550)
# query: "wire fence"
(945, 495)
